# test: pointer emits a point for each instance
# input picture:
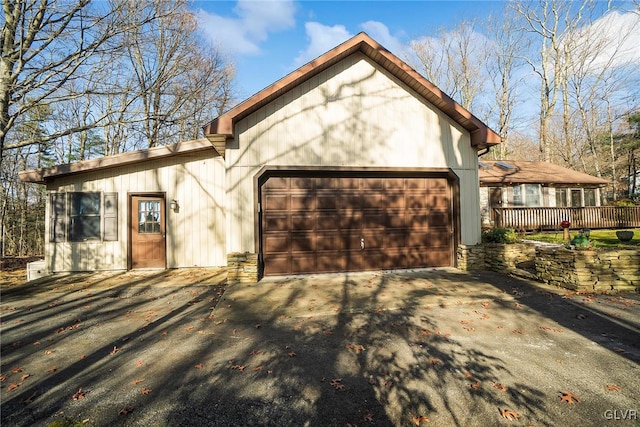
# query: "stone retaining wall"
(601, 270)
(242, 268)
(589, 270)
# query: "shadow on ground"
(428, 347)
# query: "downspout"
(486, 151)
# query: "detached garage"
(352, 162)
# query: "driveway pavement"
(427, 347)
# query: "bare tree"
(452, 61)
(549, 23)
(503, 67)
(45, 44)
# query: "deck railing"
(529, 219)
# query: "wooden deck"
(593, 217)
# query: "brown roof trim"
(43, 175)
(481, 135)
(534, 172)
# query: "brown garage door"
(347, 223)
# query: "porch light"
(174, 205)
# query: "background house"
(352, 162)
(508, 183)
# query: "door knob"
(362, 243)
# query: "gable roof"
(43, 175)
(481, 135)
(509, 172)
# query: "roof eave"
(481, 135)
(44, 175)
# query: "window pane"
(589, 197)
(532, 194)
(84, 218)
(576, 201)
(84, 228)
(561, 197)
(517, 195)
(149, 216)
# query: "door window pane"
(576, 198)
(149, 216)
(561, 197)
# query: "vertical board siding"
(195, 235)
(352, 114)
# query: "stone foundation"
(242, 268)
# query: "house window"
(589, 197)
(561, 197)
(576, 198)
(82, 216)
(517, 195)
(532, 194)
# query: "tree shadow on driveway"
(385, 348)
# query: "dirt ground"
(13, 270)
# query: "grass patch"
(600, 238)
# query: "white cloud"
(322, 38)
(251, 25)
(380, 33)
(611, 40)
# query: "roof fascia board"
(481, 135)
(41, 176)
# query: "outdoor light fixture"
(174, 205)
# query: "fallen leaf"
(485, 305)
(24, 377)
(11, 387)
(367, 416)
(114, 351)
(435, 361)
(145, 390)
(138, 381)
(569, 397)
(139, 363)
(336, 383)
(3, 377)
(199, 366)
(126, 411)
(613, 387)
(509, 414)
(475, 385)
(500, 386)
(16, 370)
(291, 354)
(52, 369)
(419, 420)
(79, 395)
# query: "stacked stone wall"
(242, 268)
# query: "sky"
(266, 40)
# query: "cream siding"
(195, 235)
(353, 114)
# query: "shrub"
(499, 235)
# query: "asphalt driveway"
(430, 347)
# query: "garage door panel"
(276, 222)
(301, 264)
(277, 202)
(277, 243)
(303, 242)
(303, 221)
(315, 224)
(348, 220)
(303, 202)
